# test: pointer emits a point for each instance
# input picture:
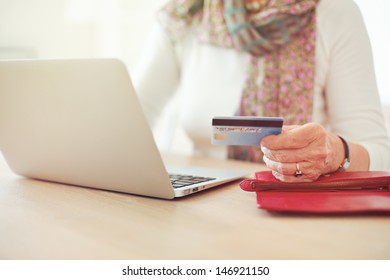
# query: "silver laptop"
(79, 122)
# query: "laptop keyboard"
(179, 181)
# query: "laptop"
(79, 122)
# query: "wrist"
(336, 154)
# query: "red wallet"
(342, 192)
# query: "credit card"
(244, 130)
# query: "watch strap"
(347, 160)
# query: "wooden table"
(42, 220)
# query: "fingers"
(311, 152)
(294, 137)
(305, 147)
(293, 179)
(287, 171)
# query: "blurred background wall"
(75, 28)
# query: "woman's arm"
(352, 103)
(156, 75)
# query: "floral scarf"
(280, 37)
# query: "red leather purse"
(342, 192)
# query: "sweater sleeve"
(353, 105)
(156, 75)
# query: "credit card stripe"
(251, 122)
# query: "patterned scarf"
(280, 36)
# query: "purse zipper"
(380, 185)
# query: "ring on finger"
(298, 171)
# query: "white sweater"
(210, 79)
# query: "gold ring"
(298, 172)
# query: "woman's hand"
(309, 149)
